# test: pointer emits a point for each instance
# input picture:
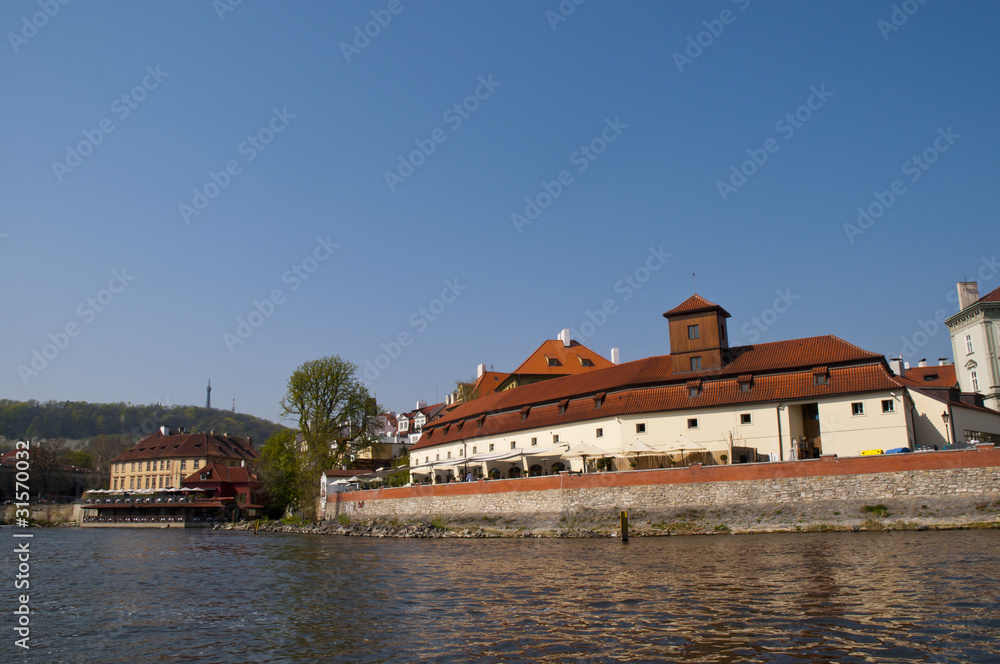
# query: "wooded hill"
(79, 420)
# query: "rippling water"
(232, 597)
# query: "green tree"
(278, 469)
(336, 415)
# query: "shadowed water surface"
(232, 597)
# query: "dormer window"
(524, 413)
(599, 399)
(821, 376)
(694, 388)
(585, 361)
(552, 361)
(562, 406)
(745, 382)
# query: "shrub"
(879, 510)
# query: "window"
(534, 441)
(131, 483)
(858, 408)
(168, 464)
(600, 433)
(640, 427)
(692, 392)
(974, 377)
(585, 361)
(745, 386)
(696, 363)
(491, 447)
(552, 361)
(133, 466)
(437, 457)
(161, 482)
(563, 405)
(147, 481)
(968, 343)
(162, 464)
(745, 418)
(449, 454)
(184, 464)
(693, 332)
(475, 448)
(513, 444)
(148, 464)
(555, 438)
(819, 379)
(116, 483)
(888, 405)
(692, 423)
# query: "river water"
(233, 597)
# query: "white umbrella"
(683, 445)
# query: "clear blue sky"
(115, 112)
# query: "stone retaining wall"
(929, 489)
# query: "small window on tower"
(696, 363)
(693, 332)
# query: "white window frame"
(749, 417)
(640, 427)
(599, 433)
(857, 409)
(974, 379)
(695, 424)
(968, 344)
(891, 403)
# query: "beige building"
(162, 460)
(705, 401)
(975, 340)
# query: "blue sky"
(373, 183)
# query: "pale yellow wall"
(171, 477)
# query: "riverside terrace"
(184, 508)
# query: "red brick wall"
(983, 456)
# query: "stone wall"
(933, 489)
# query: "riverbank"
(828, 516)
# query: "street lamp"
(947, 430)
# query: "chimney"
(968, 293)
(923, 362)
(906, 365)
(564, 337)
(480, 370)
(942, 361)
(164, 431)
(616, 356)
(421, 404)
(897, 367)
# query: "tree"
(336, 416)
(278, 470)
(47, 463)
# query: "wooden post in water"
(256, 525)
(624, 517)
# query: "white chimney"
(897, 367)
(564, 337)
(968, 293)
(906, 365)
(480, 370)
(616, 356)
(164, 431)
(923, 362)
(942, 361)
(421, 404)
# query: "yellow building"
(162, 460)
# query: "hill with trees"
(80, 420)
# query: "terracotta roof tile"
(568, 360)
(694, 304)
(936, 376)
(206, 445)
(992, 296)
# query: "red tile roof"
(219, 473)
(205, 445)
(992, 296)
(939, 376)
(488, 383)
(565, 360)
(781, 370)
(694, 304)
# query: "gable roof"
(174, 446)
(219, 473)
(779, 369)
(553, 358)
(694, 304)
(488, 383)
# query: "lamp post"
(947, 429)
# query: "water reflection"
(169, 596)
